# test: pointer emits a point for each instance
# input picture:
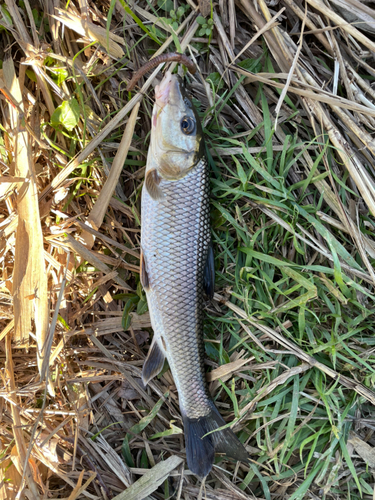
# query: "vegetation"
(286, 97)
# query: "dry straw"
(289, 106)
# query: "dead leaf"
(92, 31)
(364, 450)
(225, 371)
(79, 489)
(150, 481)
(49, 448)
(29, 277)
(204, 7)
(12, 480)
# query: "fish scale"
(175, 239)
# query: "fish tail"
(200, 448)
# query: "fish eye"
(187, 125)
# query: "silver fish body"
(176, 265)
(175, 239)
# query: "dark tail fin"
(200, 451)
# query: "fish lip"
(168, 91)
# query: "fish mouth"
(168, 92)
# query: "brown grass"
(70, 229)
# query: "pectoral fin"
(152, 182)
(153, 363)
(143, 273)
(209, 273)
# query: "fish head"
(177, 138)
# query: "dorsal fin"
(152, 182)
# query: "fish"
(177, 267)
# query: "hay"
(288, 102)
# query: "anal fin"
(209, 273)
(153, 363)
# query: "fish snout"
(162, 91)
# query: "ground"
(285, 91)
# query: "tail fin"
(200, 451)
